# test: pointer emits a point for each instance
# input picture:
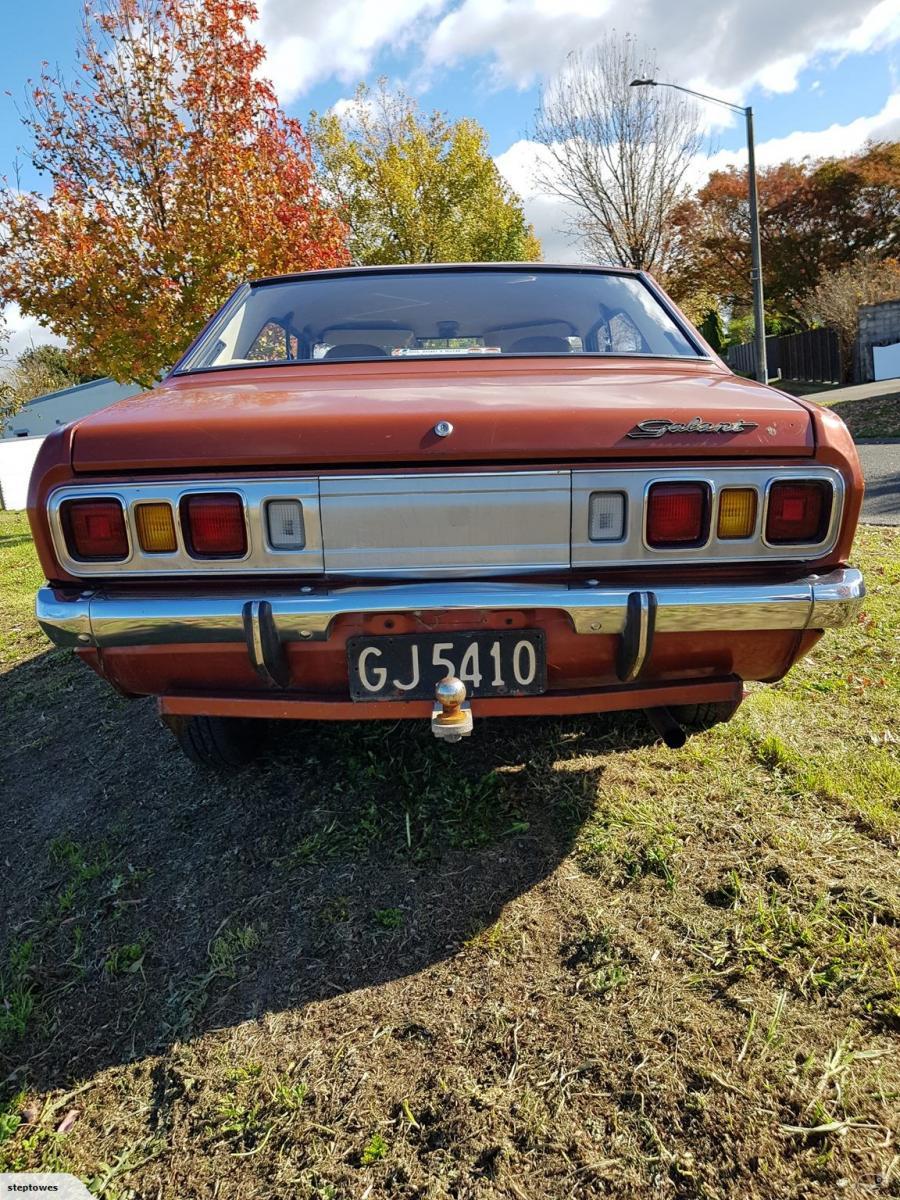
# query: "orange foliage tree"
(815, 217)
(173, 175)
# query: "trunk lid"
(512, 410)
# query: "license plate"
(407, 666)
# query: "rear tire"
(698, 717)
(221, 743)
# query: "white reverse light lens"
(607, 517)
(285, 522)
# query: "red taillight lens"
(95, 529)
(677, 514)
(798, 512)
(214, 525)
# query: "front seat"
(356, 350)
(540, 344)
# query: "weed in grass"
(821, 947)
(599, 962)
(44, 1146)
(104, 1184)
(125, 960)
(388, 918)
(10, 1116)
(289, 1096)
(375, 1149)
(225, 953)
(64, 851)
(498, 940)
(16, 991)
(246, 1073)
(229, 947)
(728, 893)
(321, 846)
(629, 843)
(240, 1119)
(335, 911)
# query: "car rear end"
(561, 532)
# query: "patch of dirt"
(380, 966)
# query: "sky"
(823, 76)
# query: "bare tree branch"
(616, 154)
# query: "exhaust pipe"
(667, 727)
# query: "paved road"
(881, 467)
(859, 391)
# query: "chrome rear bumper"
(105, 618)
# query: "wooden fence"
(813, 356)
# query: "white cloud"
(526, 39)
(549, 215)
(836, 141)
(321, 39)
(24, 332)
(719, 45)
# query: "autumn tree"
(172, 176)
(815, 217)
(414, 187)
(617, 155)
(836, 299)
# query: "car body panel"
(503, 410)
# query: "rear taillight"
(95, 530)
(214, 525)
(677, 514)
(799, 512)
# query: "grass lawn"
(872, 417)
(865, 417)
(558, 960)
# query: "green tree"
(37, 371)
(6, 397)
(416, 188)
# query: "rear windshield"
(430, 314)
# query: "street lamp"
(759, 319)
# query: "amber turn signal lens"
(155, 528)
(737, 512)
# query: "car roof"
(394, 268)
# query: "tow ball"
(451, 718)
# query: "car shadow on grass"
(146, 901)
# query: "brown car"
(446, 493)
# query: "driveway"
(881, 467)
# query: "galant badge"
(659, 426)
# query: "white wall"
(17, 457)
(886, 361)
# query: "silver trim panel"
(104, 619)
(444, 524)
(260, 556)
(634, 549)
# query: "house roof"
(46, 413)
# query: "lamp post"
(759, 318)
